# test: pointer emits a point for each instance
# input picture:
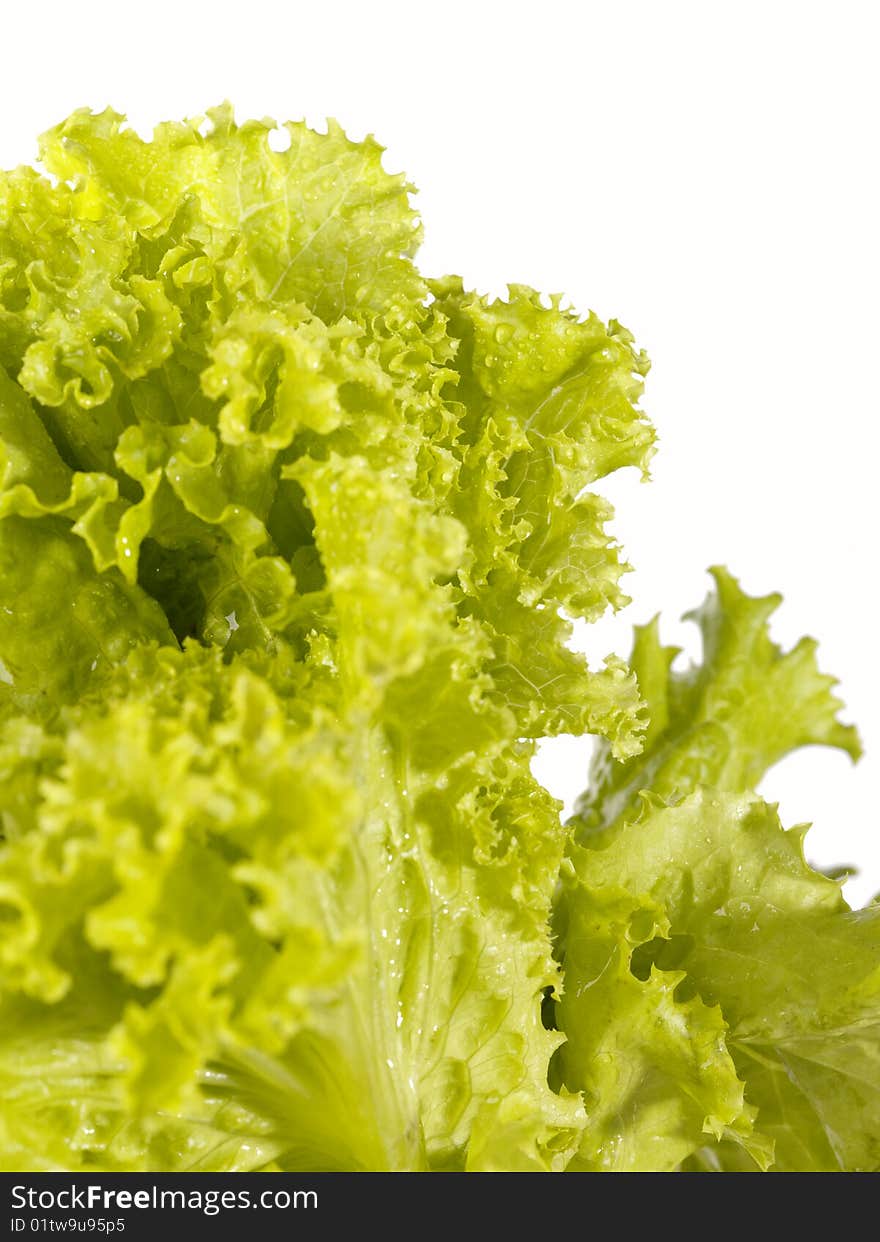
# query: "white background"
(706, 172)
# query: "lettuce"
(291, 543)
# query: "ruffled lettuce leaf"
(717, 910)
(287, 929)
(753, 930)
(276, 876)
(723, 722)
(291, 542)
(655, 1070)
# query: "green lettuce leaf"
(292, 540)
(277, 876)
(752, 929)
(655, 1070)
(741, 924)
(350, 965)
(724, 722)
